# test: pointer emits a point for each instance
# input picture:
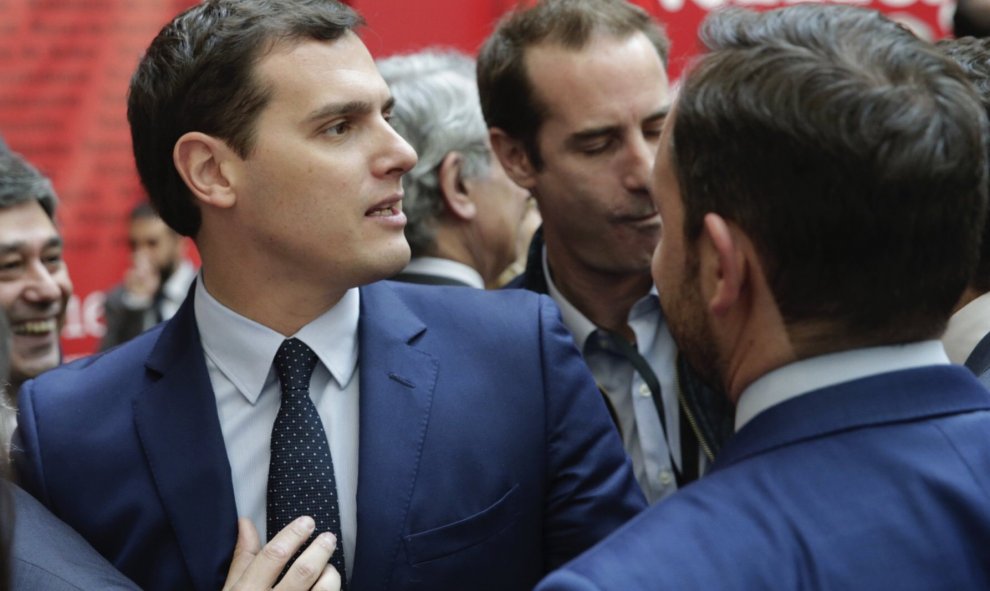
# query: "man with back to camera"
(435, 453)
(967, 336)
(155, 283)
(34, 280)
(575, 93)
(822, 182)
(464, 213)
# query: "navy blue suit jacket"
(878, 483)
(46, 555)
(486, 454)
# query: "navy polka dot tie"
(300, 477)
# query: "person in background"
(34, 280)
(575, 94)
(822, 180)
(463, 212)
(967, 337)
(439, 439)
(156, 282)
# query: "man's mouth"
(34, 327)
(383, 211)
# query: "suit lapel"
(397, 382)
(886, 398)
(177, 423)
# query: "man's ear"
(723, 265)
(205, 163)
(457, 202)
(514, 158)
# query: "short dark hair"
(198, 75)
(973, 56)
(507, 97)
(20, 182)
(851, 153)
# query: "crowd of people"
(747, 347)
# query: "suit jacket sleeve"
(592, 487)
(24, 450)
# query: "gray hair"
(437, 112)
(20, 182)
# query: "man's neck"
(604, 298)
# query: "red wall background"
(65, 65)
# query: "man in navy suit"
(462, 443)
(822, 184)
(967, 337)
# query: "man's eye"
(10, 265)
(597, 147)
(338, 128)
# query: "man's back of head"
(846, 150)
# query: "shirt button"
(644, 390)
(666, 477)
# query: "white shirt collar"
(445, 268)
(814, 373)
(244, 349)
(966, 328)
(579, 325)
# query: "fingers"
(265, 567)
(312, 565)
(330, 581)
(248, 545)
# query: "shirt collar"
(966, 328)
(244, 350)
(815, 373)
(579, 325)
(445, 268)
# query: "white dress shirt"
(966, 328)
(814, 373)
(629, 395)
(445, 268)
(239, 357)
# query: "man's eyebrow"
(17, 246)
(348, 108)
(657, 115)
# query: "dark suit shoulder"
(458, 304)
(48, 555)
(114, 370)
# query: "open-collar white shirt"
(966, 328)
(445, 268)
(630, 397)
(239, 356)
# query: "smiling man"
(292, 381)
(34, 280)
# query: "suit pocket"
(465, 533)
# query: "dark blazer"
(877, 483)
(712, 414)
(979, 360)
(486, 455)
(46, 555)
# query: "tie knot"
(294, 363)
